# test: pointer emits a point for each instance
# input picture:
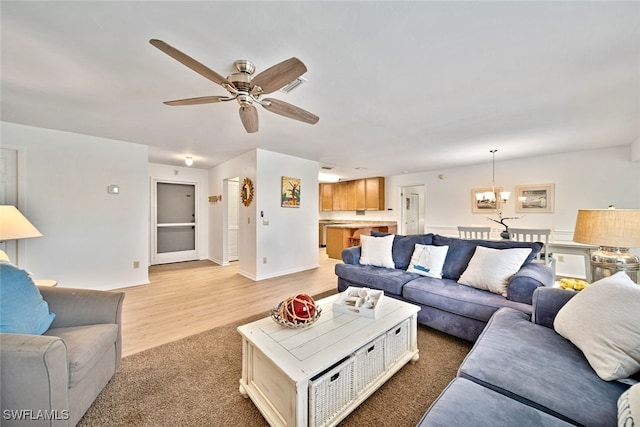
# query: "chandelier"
(499, 198)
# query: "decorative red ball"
(300, 308)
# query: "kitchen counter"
(341, 235)
(362, 224)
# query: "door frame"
(422, 208)
(153, 215)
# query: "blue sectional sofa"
(521, 372)
(446, 305)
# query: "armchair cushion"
(85, 346)
(22, 309)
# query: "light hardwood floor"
(190, 297)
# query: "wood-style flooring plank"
(186, 298)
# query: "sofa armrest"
(35, 375)
(526, 280)
(79, 307)
(546, 304)
(351, 255)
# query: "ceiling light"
(188, 160)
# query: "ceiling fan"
(246, 88)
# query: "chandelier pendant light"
(500, 199)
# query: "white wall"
(243, 166)
(591, 179)
(90, 238)
(290, 241)
(583, 180)
(190, 175)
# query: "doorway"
(233, 218)
(175, 222)
(9, 193)
(413, 209)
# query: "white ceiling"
(398, 86)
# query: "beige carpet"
(194, 382)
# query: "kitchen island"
(343, 235)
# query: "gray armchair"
(52, 379)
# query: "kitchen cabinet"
(354, 195)
(326, 197)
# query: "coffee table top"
(302, 353)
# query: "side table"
(45, 282)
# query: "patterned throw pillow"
(427, 260)
(629, 407)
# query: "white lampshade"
(13, 225)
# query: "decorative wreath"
(246, 192)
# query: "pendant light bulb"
(188, 160)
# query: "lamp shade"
(618, 228)
(13, 225)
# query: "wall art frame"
(290, 193)
(482, 204)
(535, 198)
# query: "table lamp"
(14, 226)
(614, 231)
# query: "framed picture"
(482, 200)
(537, 198)
(290, 192)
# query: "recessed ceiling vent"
(294, 84)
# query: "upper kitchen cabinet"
(326, 197)
(355, 195)
(374, 199)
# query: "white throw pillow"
(629, 407)
(377, 251)
(427, 260)
(603, 320)
(490, 269)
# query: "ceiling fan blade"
(279, 75)
(200, 100)
(199, 68)
(290, 111)
(249, 117)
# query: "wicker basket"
(369, 363)
(330, 392)
(397, 342)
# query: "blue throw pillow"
(22, 309)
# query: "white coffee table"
(288, 373)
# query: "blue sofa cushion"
(461, 251)
(403, 247)
(465, 403)
(22, 309)
(533, 364)
(450, 296)
(388, 280)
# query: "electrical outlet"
(264, 260)
(560, 258)
(136, 264)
